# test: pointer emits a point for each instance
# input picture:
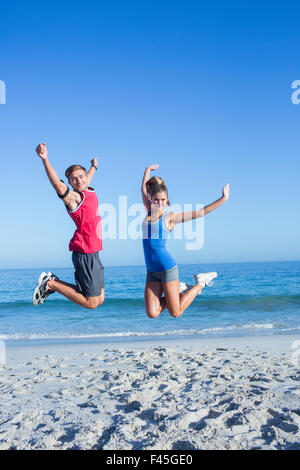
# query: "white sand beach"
(224, 393)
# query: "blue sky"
(204, 90)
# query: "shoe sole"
(182, 287)
(201, 274)
(206, 283)
(36, 290)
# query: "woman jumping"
(162, 270)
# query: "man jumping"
(83, 207)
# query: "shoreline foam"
(280, 343)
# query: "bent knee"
(101, 298)
(153, 314)
(174, 313)
(92, 304)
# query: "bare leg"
(178, 303)
(69, 291)
(154, 302)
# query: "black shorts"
(89, 273)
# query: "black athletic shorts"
(89, 273)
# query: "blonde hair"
(156, 185)
(73, 168)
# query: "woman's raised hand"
(225, 192)
(153, 167)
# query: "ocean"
(246, 299)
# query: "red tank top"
(88, 235)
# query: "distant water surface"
(246, 299)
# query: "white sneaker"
(189, 287)
(205, 278)
(182, 287)
(42, 291)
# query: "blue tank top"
(155, 236)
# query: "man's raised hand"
(94, 162)
(225, 192)
(42, 151)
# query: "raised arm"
(180, 217)
(145, 197)
(71, 198)
(92, 170)
(58, 185)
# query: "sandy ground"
(238, 393)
